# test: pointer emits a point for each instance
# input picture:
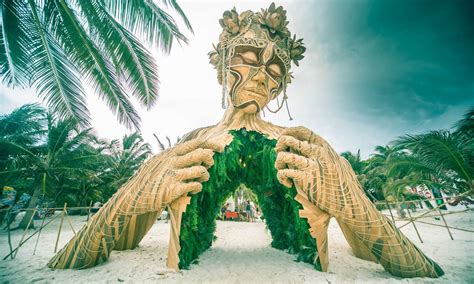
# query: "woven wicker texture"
(326, 187)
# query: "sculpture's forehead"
(267, 52)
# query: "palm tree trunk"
(29, 212)
(32, 204)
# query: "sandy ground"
(241, 254)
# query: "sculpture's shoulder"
(196, 133)
(270, 130)
(213, 133)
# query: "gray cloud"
(391, 67)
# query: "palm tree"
(368, 173)
(355, 161)
(55, 45)
(84, 184)
(383, 154)
(24, 126)
(61, 155)
(440, 157)
(117, 162)
(466, 125)
(125, 157)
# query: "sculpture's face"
(254, 77)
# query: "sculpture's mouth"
(256, 92)
(246, 104)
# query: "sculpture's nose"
(259, 77)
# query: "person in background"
(248, 210)
(223, 210)
(96, 207)
(253, 210)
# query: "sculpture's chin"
(251, 109)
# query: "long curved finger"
(188, 187)
(198, 173)
(186, 147)
(300, 132)
(213, 144)
(288, 176)
(288, 143)
(290, 160)
(197, 157)
(300, 179)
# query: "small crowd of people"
(248, 211)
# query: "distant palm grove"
(55, 161)
(440, 160)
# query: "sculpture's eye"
(274, 70)
(236, 60)
(249, 57)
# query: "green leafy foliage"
(57, 161)
(439, 159)
(249, 159)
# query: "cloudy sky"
(374, 70)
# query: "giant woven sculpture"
(293, 171)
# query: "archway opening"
(240, 203)
(250, 160)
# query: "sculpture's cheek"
(248, 88)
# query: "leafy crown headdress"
(256, 29)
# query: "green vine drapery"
(249, 159)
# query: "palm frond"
(74, 141)
(384, 152)
(58, 132)
(180, 12)
(129, 140)
(145, 19)
(15, 149)
(24, 125)
(403, 166)
(438, 149)
(133, 60)
(14, 43)
(53, 74)
(466, 125)
(53, 45)
(96, 68)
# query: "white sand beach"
(241, 254)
